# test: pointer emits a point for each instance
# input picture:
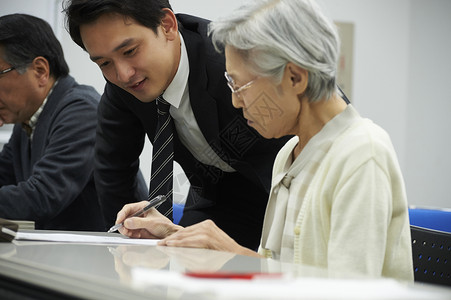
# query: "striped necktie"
(162, 158)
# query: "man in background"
(46, 168)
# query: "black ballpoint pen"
(152, 203)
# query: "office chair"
(177, 212)
(431, 250)
(437, 219)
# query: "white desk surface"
(93, 271)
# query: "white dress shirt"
(185, 122)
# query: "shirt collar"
(173, 94)
(29, 128)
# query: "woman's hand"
(152, 225)
(205, 235)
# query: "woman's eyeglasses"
(231, 84)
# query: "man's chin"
(146, 100)
(141, 96)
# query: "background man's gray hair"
(271, 33)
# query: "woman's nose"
(237, 101)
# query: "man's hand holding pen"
(151, 225)
(155, 202)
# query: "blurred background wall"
(400, 75)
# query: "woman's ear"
(169, 24)
(297, 77)
(41, 70)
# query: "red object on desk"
(232, 275)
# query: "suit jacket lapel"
(202, 103)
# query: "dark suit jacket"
(50, 180)
(235, 201)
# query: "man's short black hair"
(79, 12)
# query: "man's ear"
(41, 70)
(169, 24)
(297, 77)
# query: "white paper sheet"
(81, 238)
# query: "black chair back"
(431, 251)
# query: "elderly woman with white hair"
(338, 198)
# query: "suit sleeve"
(120, 139)
(7, 176)
(62, 171)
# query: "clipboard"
(8, 230)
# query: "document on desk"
(81, 238)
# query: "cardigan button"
(297, 230)
(286, 181)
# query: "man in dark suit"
(145, 51)
(46, 168)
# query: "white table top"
(100, 271)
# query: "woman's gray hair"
(270, 33)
